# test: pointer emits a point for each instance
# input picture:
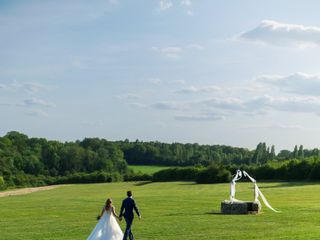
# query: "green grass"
(170, 211)
(147, 169)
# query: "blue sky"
(212, 72)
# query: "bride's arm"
(102, 212)
(114, 212)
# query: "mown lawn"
(177, 211)
(147, 169)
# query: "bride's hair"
(108, 203)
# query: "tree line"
(39, 161)
(178, 154)
(288, 170)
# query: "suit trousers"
(128, 232)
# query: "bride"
(107, 228)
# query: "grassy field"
(170, 211)
(147, 169)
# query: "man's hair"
(129, 193)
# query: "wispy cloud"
(267, 103)
(38, 102)
(165, 5)
(296, 93)
(155, 80)
(279, 126)
(199, 117)
(170, 52)
(283, 34)
(138, 105)
(175, 52)
(202, 89)
(180, 81)
(187, 3)
(223, 107)
(169, 106)
(195, 46)
(299, 83)
(29, 87)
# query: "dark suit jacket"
(127, 207)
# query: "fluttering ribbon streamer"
(257, 191)
(237, 177)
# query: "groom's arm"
(122, 208)
(136, 208)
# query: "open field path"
(24, 191)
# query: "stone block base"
(239, 207)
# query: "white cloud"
(227, 106)
(180, 81)
(37, 102)
(204, 89)
(186, 3)
(297, 93)
(295, 104)
(226, 103)
(29, 87)
(267, 103)
(199, 117)
(195, 46)
(137, 105)
(189, 111)
(170, 52)
(165, 5)
(283, 34)
(280, 126)
(190, 13)
(169, 106)
(300, 83)
(252, 87)
(2, 86)
(155, 81)
(175, 52)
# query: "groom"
(127, 206)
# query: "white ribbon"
(237, 177)
(257, 191)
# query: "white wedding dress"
(107, 228)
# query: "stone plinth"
(240, 207)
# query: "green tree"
(1, 181)
(295, 152)
(284, 155)
(301, 152)
(272, 152)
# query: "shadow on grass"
(188, 183)
(214, 212)
(143, 183)
(288, 184)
